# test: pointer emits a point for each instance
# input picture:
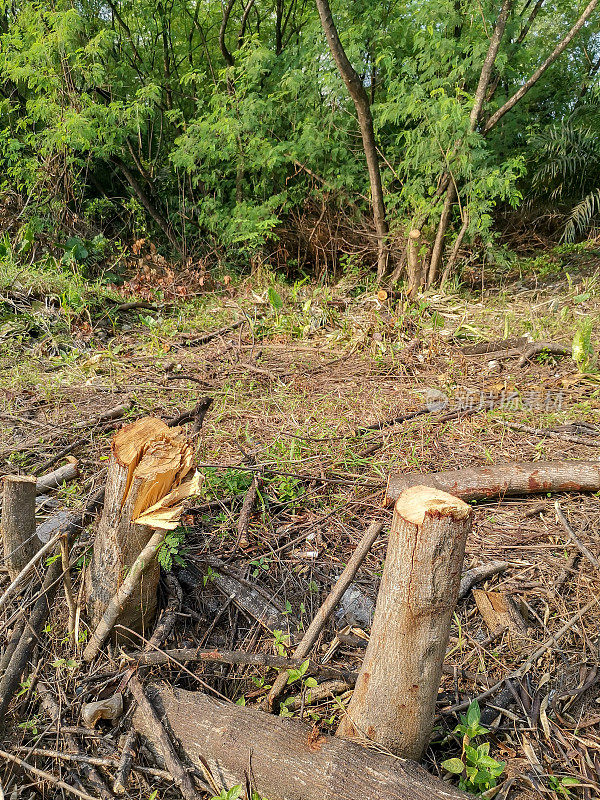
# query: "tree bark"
(18, 522)
(54, 479)
(438, 245)
(396, 690)
(488, 64)
(357, 92)
(503, 480)
(414, 266)
(147, 203)
(148, 460)
(283, 758)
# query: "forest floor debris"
(302, 393)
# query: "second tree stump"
(394, 699)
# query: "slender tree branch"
(520, 93)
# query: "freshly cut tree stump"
(19, 541)
(283, 758)
(148, 463)
(394, 699)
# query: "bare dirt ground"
(307, 389)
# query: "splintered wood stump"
(148, 462)
(394, 699)
(285, 759)
(19, 541)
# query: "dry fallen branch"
(589, 441)
(503, 480)
(571, 534)
(535, 348)
(46, 776)
(235, 657)
(56, 478)
(551, 642)
(479, 574)
(147, 718)
(328, 607)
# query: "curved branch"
(520, 93)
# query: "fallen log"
(502, 480)
(283, 758)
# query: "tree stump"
(394, 699)
(148, 462)
(18, 522)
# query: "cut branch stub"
(394, 699)
(148, 463)
(19, 541)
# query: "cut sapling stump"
(149, 478)
(19, 541)
(396, 690)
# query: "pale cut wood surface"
(148, 459)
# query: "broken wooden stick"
(247, 506)
(19, 541)
(588, 441)
(162, 631)
(286, 759)
(56, 478)
(191, 655)
(116, 412)
(131, 584)
(46, 776)
(328, 607)
(33, 630)
(572, 536)
(394, 699)
(479, 574)
(502, 480)
(51, 708)
(195, 414)
(147, 481)
(535, 348)
(19, 579)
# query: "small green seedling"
(478, 771)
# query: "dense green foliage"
(228, 126)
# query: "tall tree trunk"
(530, 83)
(480, 93)
(438, 245)
(488, 64)
(360, 99)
